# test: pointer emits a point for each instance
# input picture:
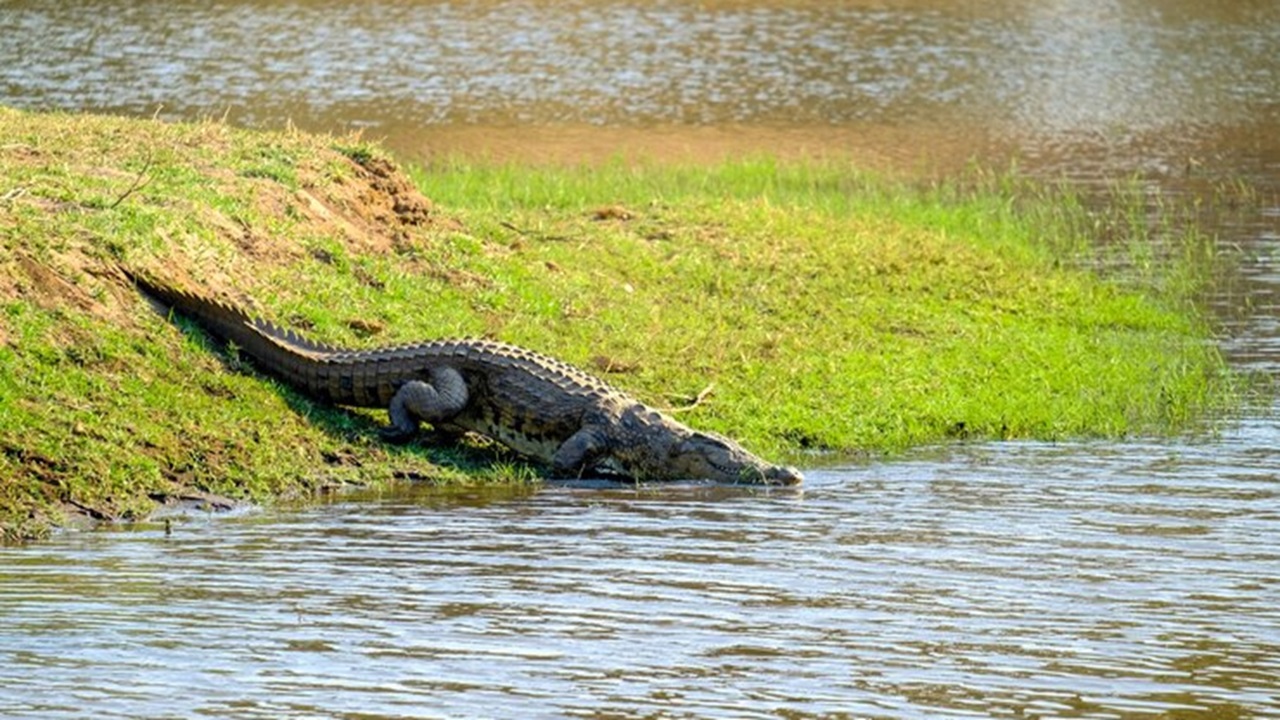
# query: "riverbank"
(799, 306)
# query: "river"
(1130, 579)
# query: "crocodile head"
(649, 445)
(709, 456)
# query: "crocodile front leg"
(576, 454)
(418, 401)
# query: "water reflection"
(1076, 581)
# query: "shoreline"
(827, 309)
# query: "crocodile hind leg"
(435, 401)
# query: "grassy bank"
(807, 306)
(839, 311)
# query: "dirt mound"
(203, 204)
(375, 210)
(201, 198)
(388, 183)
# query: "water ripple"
(1044, 66)
(1042, 580)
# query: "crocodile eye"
(697, 443)
(710, 440)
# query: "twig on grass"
(138, 182)
(697, 400)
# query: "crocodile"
(540, 407)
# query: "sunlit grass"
(807, 305)
(835, 309)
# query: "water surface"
(915, 81)
(1109, 580)
(1023, 580)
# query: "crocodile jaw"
(713, 457)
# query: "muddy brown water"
(1100, 580)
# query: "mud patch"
(8, 283)
(99, 290)
(50, 290)
(330, 220)
(253, 241)
(460, 278)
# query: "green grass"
(825, 308)
(832, 309)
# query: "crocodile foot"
(395, 435)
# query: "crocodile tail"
(282, 352)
